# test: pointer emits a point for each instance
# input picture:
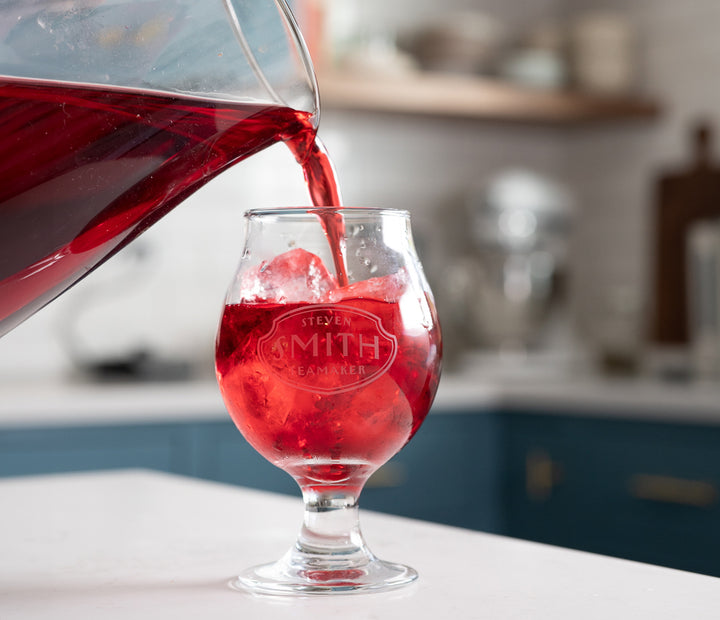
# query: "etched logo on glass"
(327, 348)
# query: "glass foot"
(289, 577)
(329, 556)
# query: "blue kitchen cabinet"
(448, 473)
(646, 491)
(165, 447)
(223, 455)
(212, 450)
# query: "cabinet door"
(447, 473)
(643, 491)
(67, 449)
(224, 455)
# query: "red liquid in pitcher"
(84, 169)
(326, 392)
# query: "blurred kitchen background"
(557, 159)
(535, 213)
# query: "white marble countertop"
(55, 402)
(135, 544)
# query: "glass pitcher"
(114, 111)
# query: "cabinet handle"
(672, 490)
(542, 475)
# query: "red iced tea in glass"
(330, 389)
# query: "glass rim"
(346, 212)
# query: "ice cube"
(385, 288)
(297, 275)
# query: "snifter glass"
(328, 358)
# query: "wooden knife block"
(683, 198)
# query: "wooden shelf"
(470, 97)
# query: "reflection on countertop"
(72, 403)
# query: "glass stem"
(331, 528)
